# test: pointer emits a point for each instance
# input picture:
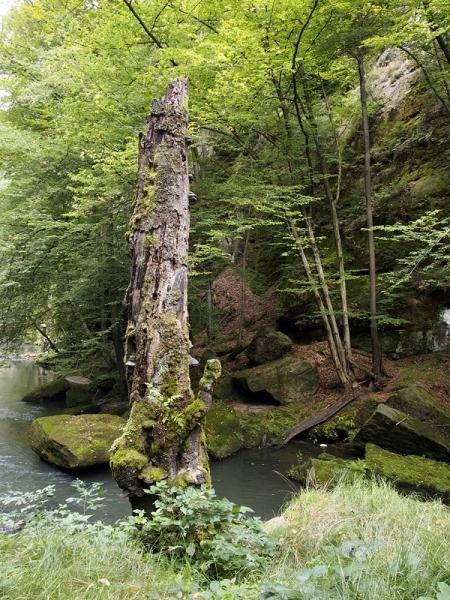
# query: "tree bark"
(163, 436)
(377, 356)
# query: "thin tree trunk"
(327, 297)
(45, 335)
(334, 199)
(377, 356)
(242, 301)
(209, 302)
(162, 439)
(333, 335)
(323, 312)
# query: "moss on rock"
(410, 472)
(75, 442)
(346, 424)
(52, 390)
(396, 431)
(286, 380)
(417, 402)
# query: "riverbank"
(358, 541)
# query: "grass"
(364, 541)
(358, 541)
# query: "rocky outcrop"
(268, 345)
(407, 473)
(282, 381)
(81, 390)
(416, 402)
(75, 442)
(52, 390)
(232, 426)
(396, 431)
(410, 472)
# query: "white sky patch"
(5, 5)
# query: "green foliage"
(77, 82)
(215, 536)
(357, 541)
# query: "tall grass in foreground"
(359, 541)
(363, 540)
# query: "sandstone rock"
(406, 473)
(52, 390)
(396, 431)
(416, 402)
(268, 345)
(282, 381)
(81, 390)
(75, 442)
(410, 472)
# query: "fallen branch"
(319, 417)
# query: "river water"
(254, 478)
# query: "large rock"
(410, 472)
(75, 442)
(406, 473)
(282, 381)
(52, 390)
(416, 402)
(396, 431)
(81, 390)
(268, 345)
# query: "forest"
(225, 280)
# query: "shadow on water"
(254, 478)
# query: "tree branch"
(146, 29)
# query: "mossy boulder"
(268, 345)
(282, 381)
(52, 390)
(327, 470)
(410, 472)
(75, 442)
(407, 473)
(417, 402)
(230, 427)
(396, 431)
(223, 430)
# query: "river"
(254, 478)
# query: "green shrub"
(214, 535)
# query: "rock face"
(416, 402)
(75, 442)
(53, 390)
(282, 381)
(268, 345)
(395, 430)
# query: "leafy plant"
(193, 525)
(443, 593)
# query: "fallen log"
(318, 418)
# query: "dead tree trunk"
(163, 436)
